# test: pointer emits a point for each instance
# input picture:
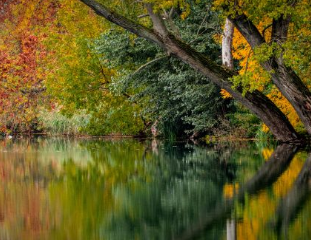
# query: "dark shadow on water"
(293, 202)
(270, 171)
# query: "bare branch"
(147, 64)
(143, 15)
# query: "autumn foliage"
(295, 51)
(21, 72)
(49, 57)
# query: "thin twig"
(147, 64)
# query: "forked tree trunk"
(286, 80)
(255, 101)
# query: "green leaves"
(168, 91)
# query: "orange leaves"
(253, 77)
(230, 189)
(20, 85)
(225, 94)
(251, 74)
(281, 102)
(266, 153)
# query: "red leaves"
(5, 9)
(21, 55)
(19, 82)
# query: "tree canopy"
(159, 65)
(281, 15)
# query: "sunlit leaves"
(294, 50)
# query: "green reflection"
(130, 189)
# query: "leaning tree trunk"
(286, 80)
(257, 102)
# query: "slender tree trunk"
(255, 101)
(227, 59)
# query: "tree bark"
(255, 101)
(227, 59)
(286, 80)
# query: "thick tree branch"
(123, 22)
(248, 30)
(257, 102)
(286, 80)
(280, 29)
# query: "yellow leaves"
(276, 96)
(24, 13)
(225, 94)
(183, 5)
(230, 189)
(186, 10)
(281, 102)
(285, 182)
(252, 76)
(184, 15)
(266, 153)
(218, 3)
(265, 128)
(255, 216)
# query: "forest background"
(65, 70)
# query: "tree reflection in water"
(288, 208)
(126, 189)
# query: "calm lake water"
(129, 189)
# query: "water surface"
(130, 189)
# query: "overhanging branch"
(122, 21)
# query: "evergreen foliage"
(169, 91)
